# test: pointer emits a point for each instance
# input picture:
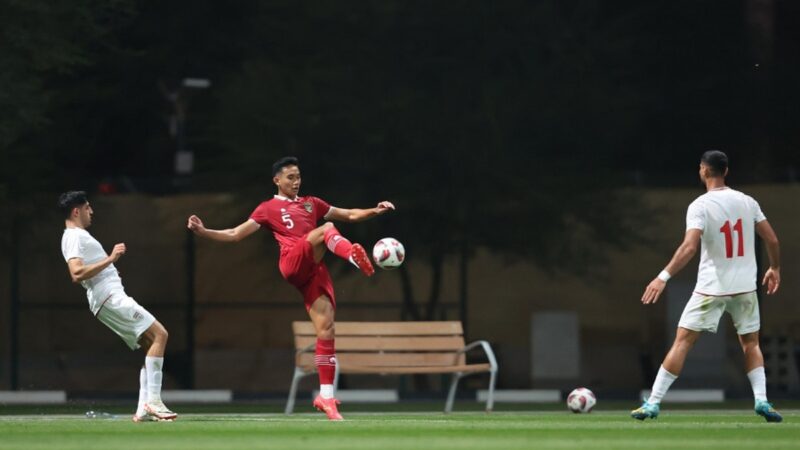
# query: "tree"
(44, 44)
(462, 113)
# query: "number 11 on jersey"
(728, 232)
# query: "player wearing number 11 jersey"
(723, 223)
(293, 219)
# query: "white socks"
(758, 380)
(142, 392)
(663, 381)
(153, 365)
(326, 391)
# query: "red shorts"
(310, 278)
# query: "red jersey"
(290, 219)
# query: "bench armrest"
(308, 349)
(487, 349)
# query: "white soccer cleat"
(159, 410)
(146, 417)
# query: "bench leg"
(298, 374)
(490, 400)
(451, 396)
(336, 378)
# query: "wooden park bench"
(394, 348)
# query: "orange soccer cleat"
(328, 406)
(360, 257)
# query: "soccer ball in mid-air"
(581, 400)
(388, 253)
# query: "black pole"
(190, 307)
(15, 301)
(463, 269)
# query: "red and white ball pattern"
(581, 400)
(388, 253)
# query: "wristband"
(664, 276)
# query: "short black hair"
(284, 162)
(717, 161)
(70, 200)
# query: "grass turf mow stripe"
(707, 429)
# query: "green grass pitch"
(522, 429)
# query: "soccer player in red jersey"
(293, 219)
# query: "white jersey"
(78, 243)
(727, 219)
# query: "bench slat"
(467, 368)
(385, 328)
(421, 369)
(372, 343)
(390, 359)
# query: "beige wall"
(250, 348)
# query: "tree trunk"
(409, 309)
(437, 267)
(463, 287)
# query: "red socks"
(325, 359)
(337, 243)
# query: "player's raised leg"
(322, 316)
(754, 366)
(157, 336)
(328, 237)
(667, 373)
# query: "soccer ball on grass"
(581, 400)
(388, 253)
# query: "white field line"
(569, 419)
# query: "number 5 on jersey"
(287, 219)
(728, 232)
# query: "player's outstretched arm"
(80, 272)
(358, 215)
(682, 256)
(228, 235)
(772, 278)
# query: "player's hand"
(195, 224)
(384, 207)
(772, 279)
(118, 251)
(653, 291)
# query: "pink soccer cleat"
(328, 406)
(359, 255)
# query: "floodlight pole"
(184, 165)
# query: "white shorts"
(126, 318)
(702, 312)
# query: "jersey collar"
(287, 199)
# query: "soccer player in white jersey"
(722, 223)
(94, 269)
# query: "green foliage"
(44, 43)
(452, 114)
